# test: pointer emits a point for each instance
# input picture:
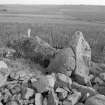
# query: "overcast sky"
(92, 2)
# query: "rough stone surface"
(79, 104)
(29, 93)
(84, 89)
(64, 62)
(67, 102)
(96, 100)
(42, 85)
(51, 80)
(102, 76)
(52, 98)
(38, 99)
(64, 78)
(62, 94)
(83, 57)
(74, 98)
(45, 101)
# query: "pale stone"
(64, 78)
(51, 80)
(83, 57)
(38, 99)
(29, 93)
(3, 65)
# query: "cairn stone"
(96, 100)
(38, 99)
(83, 57)
(52, 98)
(64, 62)
(74, 98)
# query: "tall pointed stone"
(83, 57)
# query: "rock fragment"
(45, 101)
(52, 98)
(96, 100)
(65, 102)
(62, 94)
(64, 62)
(42, 85)
(84, 90)
(74, 98)
(38, 99)
(29, 93)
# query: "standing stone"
(83, 57)
(96, 100)
(4, 72)
(38, 99)
(64, 62)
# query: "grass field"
(55, 24)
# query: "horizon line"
(52, 4)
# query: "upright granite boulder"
(83, 57)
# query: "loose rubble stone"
(42, 85)
(29, 93)
(51, 80)
(65, 102)
(96, 100)
(45, 101)
(63, 81)
(62, 94)
(64, 62)
(102, 76)
(38, 99)
(74, 98)
(83, 57)
(64, 78)
(52, 98)
(101, 90)
(79, 104)
(3, 65)
(99, 81)
(12, 103)
(84, 89)
(15, 89)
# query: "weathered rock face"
(96, 100)
(63, 62)
(83, 57)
